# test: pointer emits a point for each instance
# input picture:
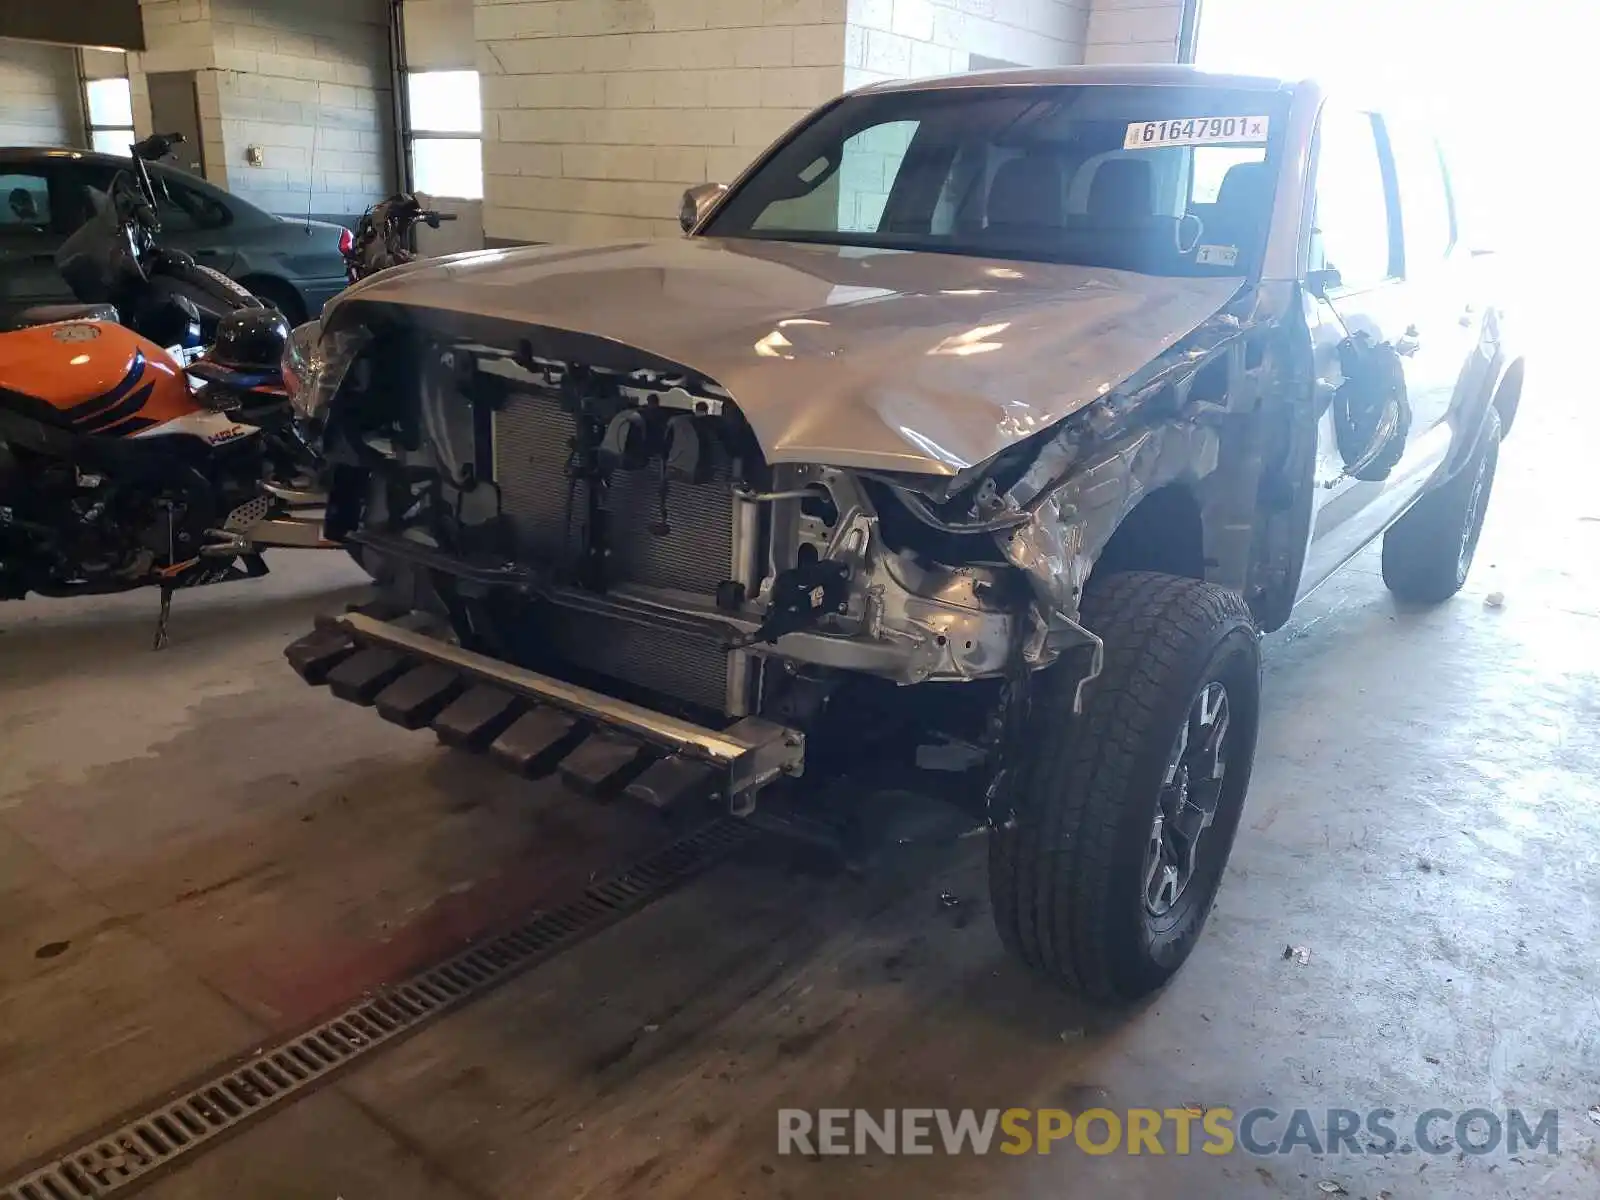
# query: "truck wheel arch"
(1164, 532)
(1508, 395)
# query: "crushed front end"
(588, 565)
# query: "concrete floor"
(197, 854)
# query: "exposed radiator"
(532, 439)
(689, 668)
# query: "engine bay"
(624, 525)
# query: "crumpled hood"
(881, 359)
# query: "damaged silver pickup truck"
(985, 422)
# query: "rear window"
(1165, 180)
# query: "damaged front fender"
(1072, 522)
(1057, 516)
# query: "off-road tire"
(1067, 858)
(1428, 551)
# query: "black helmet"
(250, 339)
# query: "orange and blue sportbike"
(114, 476)
(117, 469)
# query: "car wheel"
(1428, 552)
(1116, 823)
(280, 296)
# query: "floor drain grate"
(120, 1160)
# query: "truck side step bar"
(534, 724)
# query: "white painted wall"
(308, 82)
(439, 35)
(464, 233)
(900, 39)
(39, 102)
(1134, 31)
(597, 113)
(178, 36)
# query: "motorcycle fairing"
(93, 377)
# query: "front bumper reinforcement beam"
(535, 724)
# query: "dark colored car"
(45, 194)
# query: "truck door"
(1357, 231)
(1453, 359)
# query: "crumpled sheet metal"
(846, 356)
(1072, 524)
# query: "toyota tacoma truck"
(985, 423)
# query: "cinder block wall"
(308, 82)
(898, 39)
(178, 37)
(597, 115)
(39, 101)
(1134, 31)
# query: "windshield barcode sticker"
(1195, 131)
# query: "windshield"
(1162, 180)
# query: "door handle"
(207, 253)
(1409, 342)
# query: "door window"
(24, 202)
(1351, 233)
(1424, 197)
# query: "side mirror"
(1322, 281)
(1371, 408)
(697, 202)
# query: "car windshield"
(1162, 180)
